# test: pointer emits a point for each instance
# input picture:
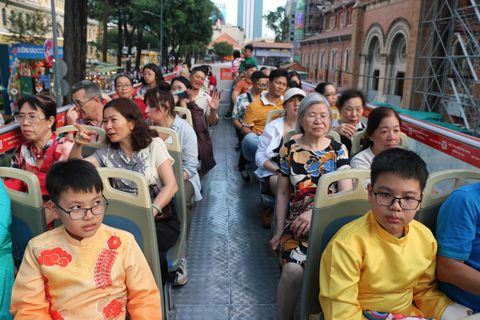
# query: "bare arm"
(71, 118)
(459, 274)
(344, 185)
(165, 172)
(270, 166)
(82, 138)
(237, 124)
(246, 130)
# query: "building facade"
(29, 6)
(237, 33)
(366, 45)
(327, 55)
(250, 18)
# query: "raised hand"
(215, 101)
(82, 137)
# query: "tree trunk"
(120, 35)
(139, 48)
(75, 43)
(105, 30)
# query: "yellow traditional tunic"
(366, 268)
(100, 277)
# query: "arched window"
(334, 60)
(322, 60)
(312, 62)
(4, 17)
(347, 60)
(27, 19)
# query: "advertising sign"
(226, 74)
(48, 50)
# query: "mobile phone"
(181, 94)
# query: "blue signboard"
(43, 78)
(29, 51)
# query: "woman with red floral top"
(43, 148)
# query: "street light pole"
(161, 31)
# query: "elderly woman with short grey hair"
(302, 162)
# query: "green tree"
(185, 22)
(278, 22)
(30, 28)
(223, 49)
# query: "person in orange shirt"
(83, 269)
(256, 112)
(243, 85)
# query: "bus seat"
(89, 149)
(28, 212)
(334, 135)
(356, 145)
(175, 253)
(330, 213)
(186, 112)
(271, 113)
(133, 213)
(433, 200)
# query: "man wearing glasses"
(256, 113)
(259, 83)
(88, 107)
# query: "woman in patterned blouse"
(43, 148)
(302, 162)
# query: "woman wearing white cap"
(271, 140)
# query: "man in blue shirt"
(458, 256)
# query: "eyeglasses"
(313, 117)
(79, 105)
(261, 85)
(30, 118)
(80, 213)
(122, 86)
(386, 199)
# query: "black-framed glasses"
(80, 104)
(386, 199)
(80, 213)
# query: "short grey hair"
(312, 98)
(91, 89)
(183, 68)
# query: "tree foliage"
(223, 49)
(30, 28)
(278, 22)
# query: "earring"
(49, 127)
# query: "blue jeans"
(250, 146)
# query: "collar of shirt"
(266, 102)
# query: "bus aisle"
(231, 272)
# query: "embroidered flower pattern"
(55, 256)
(112, 310)
(102, 274)
(114, 242)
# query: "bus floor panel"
(231, 272)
